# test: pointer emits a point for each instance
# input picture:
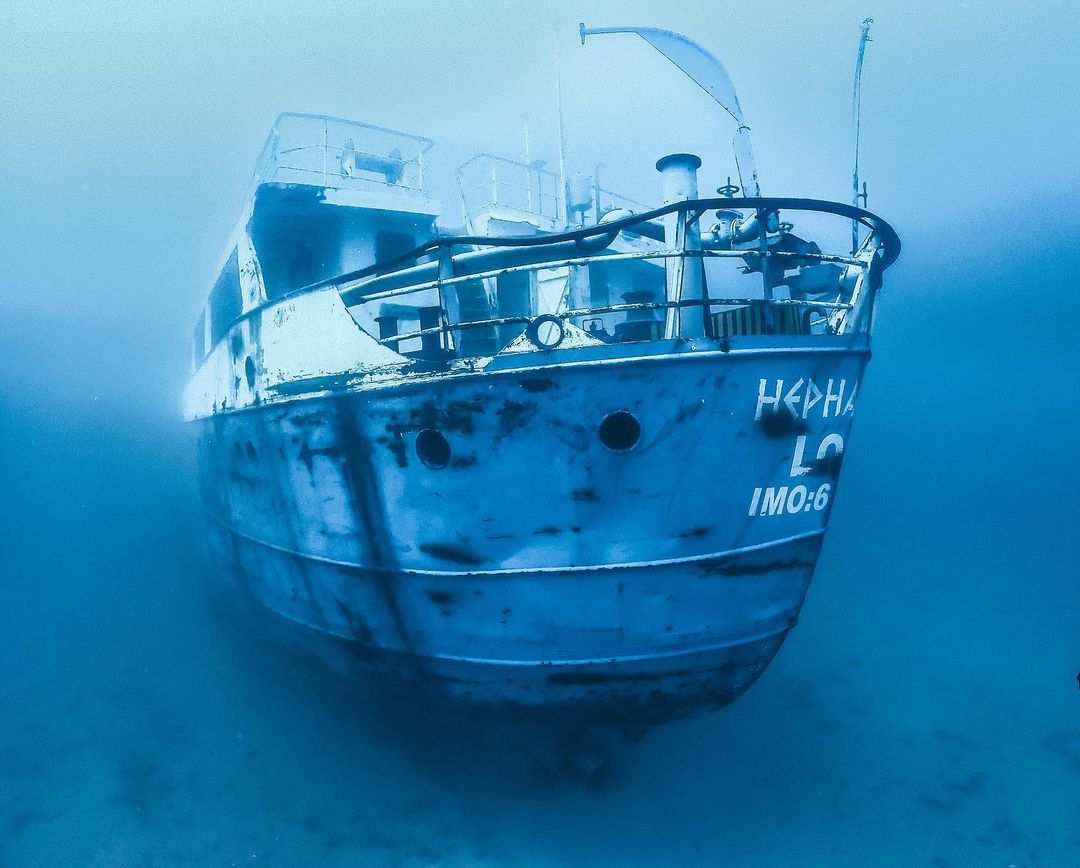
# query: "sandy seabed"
(923, 713)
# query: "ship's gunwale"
(348, 383)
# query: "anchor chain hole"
(433, 448)
(619, 431)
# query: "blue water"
(924, 712)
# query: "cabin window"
(225, 302)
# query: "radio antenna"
(560, 140)
(856, 113)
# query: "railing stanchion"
(676, 266)
(766, 283)
(482, 262)
(446, 272)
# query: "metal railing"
(609, 200)
(333, 152)
(353, 297)
(485, 258)
(814, 307)
(487, 181)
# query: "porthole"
(619, 431)
(433, 449)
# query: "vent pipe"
(678, 180)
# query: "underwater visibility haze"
(924, 709)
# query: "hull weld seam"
(513, 571)
(732, 642)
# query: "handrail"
(890, 241)
(288, 117)
(303, 134)
(408, 289)
(526, 179)
(589, 244)
(506, 161)
(461, 325)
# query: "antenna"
(525, 118)
(527, 150)
(706, 72)
(560, 142)
(856, 112)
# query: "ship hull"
(538, 570)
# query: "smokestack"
(678, 173)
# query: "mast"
(560, 142)
(856, 112)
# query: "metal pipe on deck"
(479, 261)
(684, 274)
